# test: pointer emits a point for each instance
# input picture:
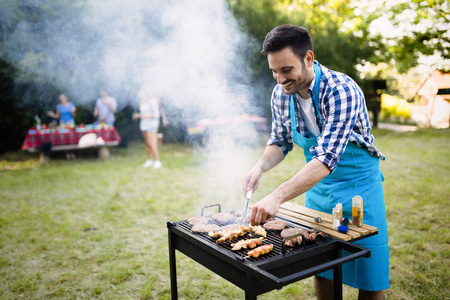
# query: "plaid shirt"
(344, 113)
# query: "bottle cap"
(357, 201)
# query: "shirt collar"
(311, 86)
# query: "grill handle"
(283, 242)
(211, 205)
(323, 267)
(355, 252)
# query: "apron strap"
(317, 74)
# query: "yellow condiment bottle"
(357, 211)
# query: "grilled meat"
(230, 227)
(250, 243)
(310, 235)
(241, 229)
(223, 218)
(264, 249)
(275, 225)
(198, 219)
(204, 228)
(259, 230)
(229, 235)
(293, 241)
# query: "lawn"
(87, 228)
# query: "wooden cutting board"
(305, 216)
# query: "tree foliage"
(332, 25)
(341, 29)
(418, 29)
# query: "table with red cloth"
(35, 139)
(67, 139)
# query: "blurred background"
(204, 60)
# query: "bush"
(395, 108)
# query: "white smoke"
(187, 51)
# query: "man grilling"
(324, 112)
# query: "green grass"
(85, 228)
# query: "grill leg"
(249, 292)
(173, 269)
(337, 280)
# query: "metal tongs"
(244, 216)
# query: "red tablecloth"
(66, 137)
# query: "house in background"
(434, 110)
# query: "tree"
(338, 34)
(407, 31)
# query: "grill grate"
(273, 237)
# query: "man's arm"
(271, 157)
(302, 181)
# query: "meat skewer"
(290, 232)
(250, 243)
(229, 235)
(241, 230)
(264, 249)
(259, 230)
(310, 235)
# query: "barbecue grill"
(278, 268)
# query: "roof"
(442, 80)
(432, 82)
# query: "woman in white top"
(151, 110)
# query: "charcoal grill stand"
(259, 277)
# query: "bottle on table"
(38, 123)
(357, 211)
(102, 122)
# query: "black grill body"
(267, 272)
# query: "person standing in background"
(151, 110)
(105, 107)
(65, 112)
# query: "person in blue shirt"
(324, 112)
(65, 111)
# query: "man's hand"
(265, 209)
(307, 177)
(271, 157)
(251, 180)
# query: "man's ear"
(309, 59)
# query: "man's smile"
(288, 83)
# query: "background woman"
(65, 112)
(151, 110)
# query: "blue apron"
(357, 173)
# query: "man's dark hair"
(293, 36)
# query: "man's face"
(289, 71)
